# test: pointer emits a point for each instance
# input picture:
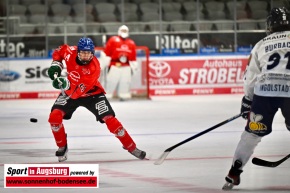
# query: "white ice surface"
(198, 166)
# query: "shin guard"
(120, 132)
(57, 128)
(245, 148)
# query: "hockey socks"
(55, 120)
(120, 132)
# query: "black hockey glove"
(245, 107)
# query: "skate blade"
(62, 158)
(228, 186)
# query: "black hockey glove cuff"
(245, 107)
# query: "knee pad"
(115, 126)
(251, 138)
(55, 119)
(246, 146)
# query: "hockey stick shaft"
(261, 162)
(161, 159)
(62, 90)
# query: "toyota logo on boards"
(159, 69)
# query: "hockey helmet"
(85, 44)
(278, 20)
(123, 31)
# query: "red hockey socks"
(57, 128)
(120, 132)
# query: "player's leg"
(58, 113)
(124, 89)
(101, 108)
(58, 131)
(244, 150)
(112, 80)
(258, 125)
(121, 133)
(285, 103)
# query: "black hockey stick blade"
(163, 156)
(261, 162)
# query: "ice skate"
(138, 153)
(233, 178)
(61, 153)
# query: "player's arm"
(106, 55)
(55, 69)
(250, 75)
(56, 65)
(104, 60)
(250, 78)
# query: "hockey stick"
(261, 162)
(62, 90)
(161, 159)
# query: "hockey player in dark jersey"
(266, 87)
(82, 88)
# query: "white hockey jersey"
(268, 70)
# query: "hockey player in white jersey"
(267, 89)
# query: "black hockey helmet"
(278, 20)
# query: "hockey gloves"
(245, 107)
(54, 70)
(61, 83)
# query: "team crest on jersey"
(123, 59)
(86, 71)
(75, 76)
(255, 125)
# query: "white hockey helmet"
(123, 31)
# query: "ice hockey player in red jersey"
(82, 88)
(120, 57)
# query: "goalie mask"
(86, 50)
(278, 20)
(123, 31)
